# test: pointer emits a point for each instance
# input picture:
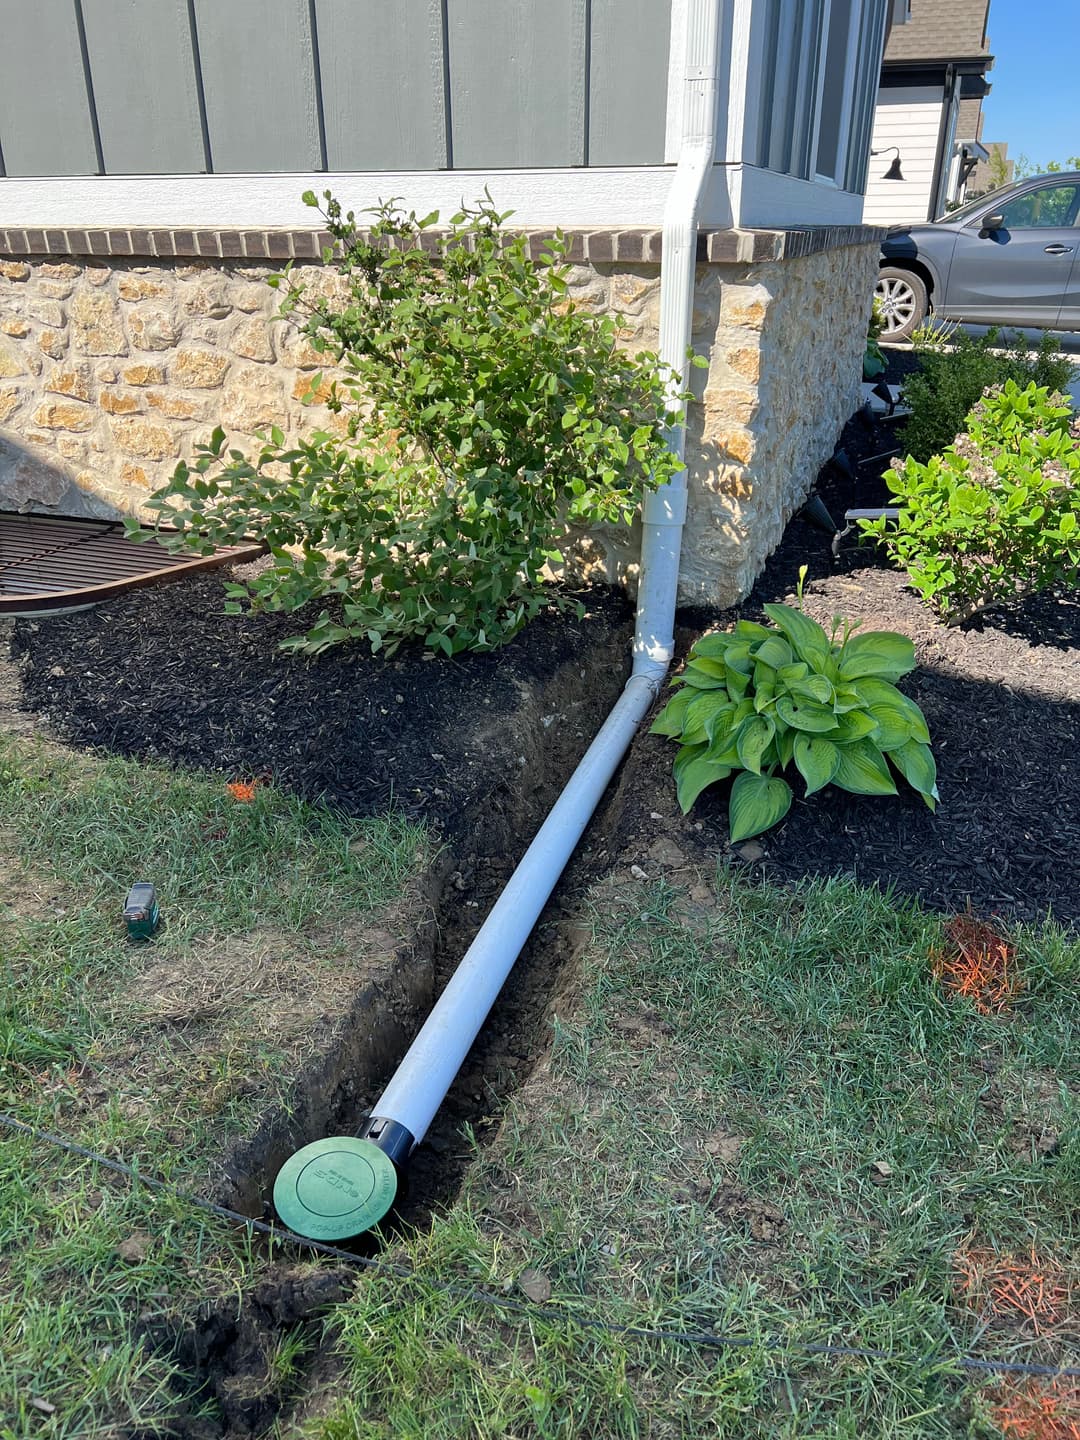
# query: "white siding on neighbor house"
(909, 118)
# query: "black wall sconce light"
(893, 172)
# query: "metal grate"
(52, 562)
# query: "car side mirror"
(994, 222)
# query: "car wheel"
(904, 302)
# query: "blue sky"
(1035, 103)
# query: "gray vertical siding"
(373, 120)
(46, 125)
(628, 60)
(183, 86)
(144, 86)
(517, 82)
(258, 73)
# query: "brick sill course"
(596, 246)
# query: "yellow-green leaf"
(757, 803)
(813, 687)
(817, 760)
(752, 741)
(879, 653)
(671, 717)
(855, 725)
(807, 637)
(918, 767)
(774, 651)
(893, 726)
(863, 771)
(704, 674)
(694, 772)
(750, 630)
(708, 710)
(712, 647)
(874, 692)
(804, 715)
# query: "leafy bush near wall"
(955, 370)
(997, 516)
(759, 699)
(484, 412)
(874, 359)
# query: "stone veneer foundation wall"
(113, 367)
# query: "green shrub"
(874, 359)
(485, 412)
(955, 370)
(996, 516)
(759, 699)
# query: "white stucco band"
(737, 194)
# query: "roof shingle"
(941, 30)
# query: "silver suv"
(1010, 258)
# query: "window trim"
(857, 28)
(793, 146)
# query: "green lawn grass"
(760, 1115)
(158, 1055)
(705, 1147)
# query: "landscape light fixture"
(893, 172)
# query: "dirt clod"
(667, 854)
(724, 1147)
(134, 1250)
(535, 1284)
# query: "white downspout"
(664, 511)
(320, 1207)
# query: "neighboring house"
(929, 111)
(154, 156)
(993, 172)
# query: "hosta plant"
(760, 699)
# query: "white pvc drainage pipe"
(342, 1186)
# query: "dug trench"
(479, 748)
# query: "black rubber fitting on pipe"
(390, 1137)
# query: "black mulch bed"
(1002, 698)
(164, 673)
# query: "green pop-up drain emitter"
(337, 1188)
